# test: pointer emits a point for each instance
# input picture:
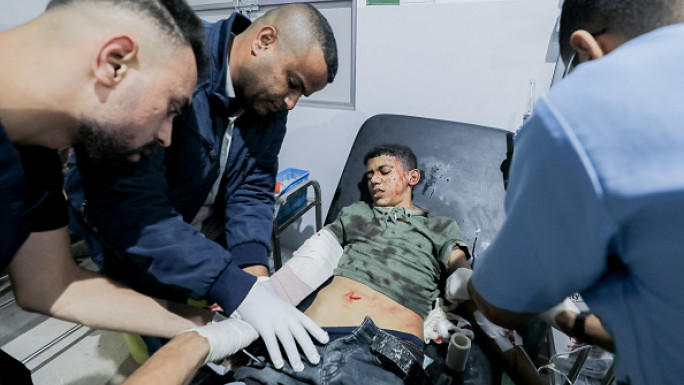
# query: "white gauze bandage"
(311, 265)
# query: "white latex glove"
(457, 285)
(226, 337)
(439, 325)
(276, 320)
(506, 339)
(549, 316)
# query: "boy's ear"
(414, 177)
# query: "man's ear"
(586, 46)
(114, 60)
(414, 177)
(264, 39)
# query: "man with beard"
(128, 65)
(192, 221)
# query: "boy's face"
(388, 183)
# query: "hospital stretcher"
(464, 169)
(464, 173)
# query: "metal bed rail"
(280, 204)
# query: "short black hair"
(175, 17)
(626, 19)
(317, 28)
(402, 153)
(324, 35)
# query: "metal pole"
(51, 344)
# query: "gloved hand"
(457, 285)
(226, 337)
(506, 339)
(276, 320)
(440, 325)
(550, 315)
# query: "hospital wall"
(467, 61)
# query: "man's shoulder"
(627, 78)
(234, 24)
(602, 107)
(218, 36)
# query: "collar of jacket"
(219, 36)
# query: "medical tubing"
(551, 366)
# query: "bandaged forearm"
(311, 265)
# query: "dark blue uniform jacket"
(141, 215)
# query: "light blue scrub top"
(595, 204)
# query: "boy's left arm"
(457, 259)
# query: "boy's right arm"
(310, 266)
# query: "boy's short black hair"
(403, 154)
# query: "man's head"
(590, 29)
(288, 52)
(391, 173)
(136, 63)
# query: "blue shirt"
(31, 194)
(596, 205)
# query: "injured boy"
(388, 260)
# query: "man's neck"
(31, 104)
(239, 47)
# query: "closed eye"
(178, 106)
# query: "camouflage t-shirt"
(398, 252)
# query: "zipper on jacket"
(210, 147)
(245, 164)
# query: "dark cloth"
(142, 214)
(338, 332)
(31, 191)
(368, 355)
(13, 372)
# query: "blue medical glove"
(277, 321)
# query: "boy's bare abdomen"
(345, 302)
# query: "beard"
(247, 90)
(107, 147)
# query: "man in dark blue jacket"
(191, 220)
